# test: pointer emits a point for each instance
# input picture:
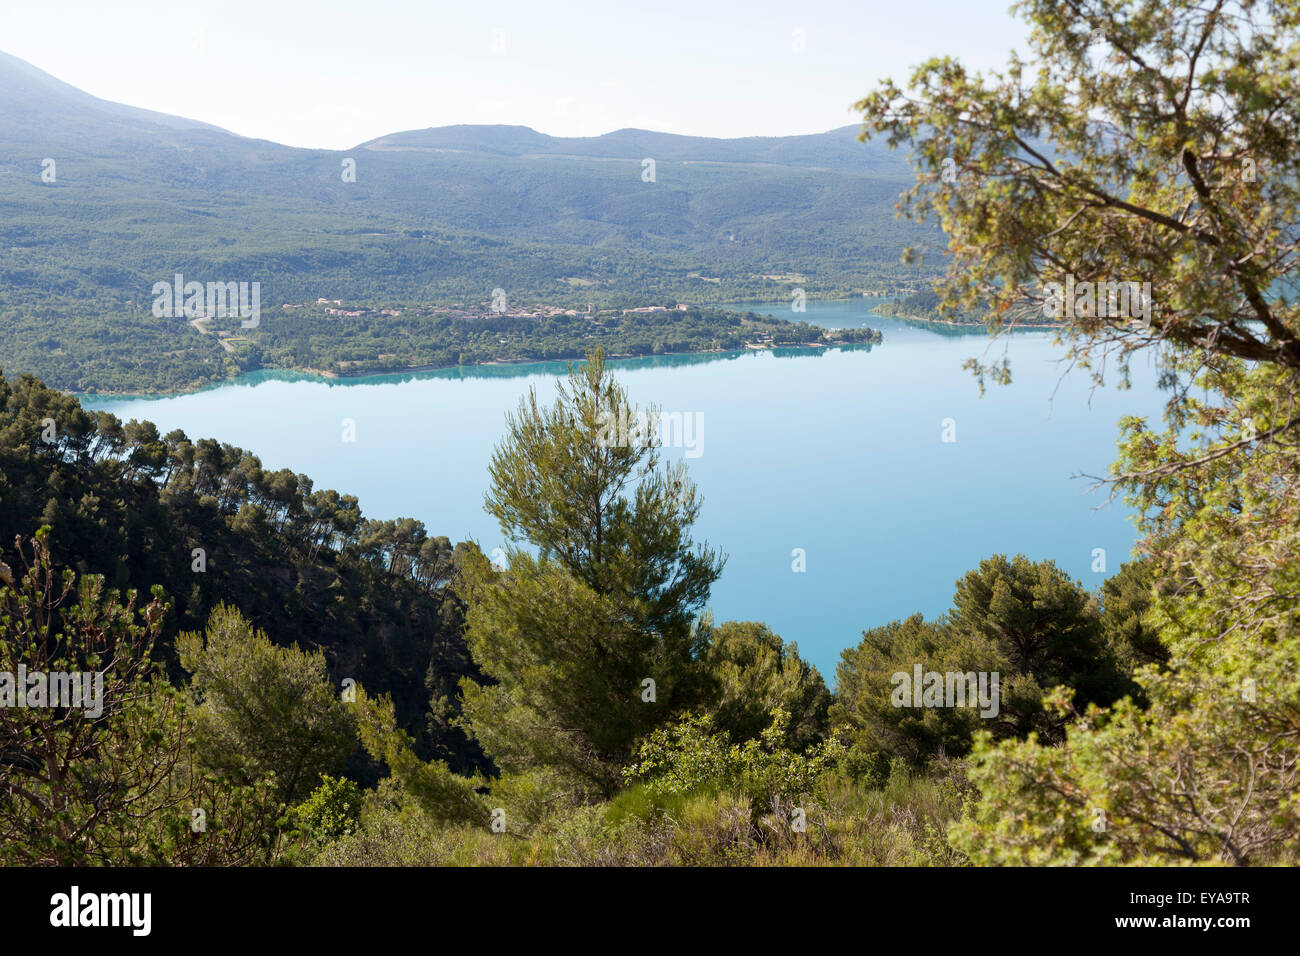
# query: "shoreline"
(333, 374)
(328, 375)
(928, 320)
(967, 325)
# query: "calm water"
(839, 454)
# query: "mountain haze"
(43, 105)
(837, 149)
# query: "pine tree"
(591, 640)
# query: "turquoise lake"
(838, 453)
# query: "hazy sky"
(334, 73)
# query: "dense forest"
(362, 692)
(204, 521)
(310, 338)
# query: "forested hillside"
(208, 524)
(434, 217)
(345, 342)
(364, 692)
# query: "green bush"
(689, 756)
(332, 809)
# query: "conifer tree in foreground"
(1148, 147)
(591, 638)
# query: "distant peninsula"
(333, 338)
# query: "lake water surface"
(839, 453)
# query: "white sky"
(334, 73)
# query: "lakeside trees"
(1156, 722)
(738, 753)
(591, 642)
(135, 355)
(755, 673)
(1153, 143)
(206, 522)
(351, 345)
(1023, 620)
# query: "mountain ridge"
(30, 89)
(35, 97)
(434, 217)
